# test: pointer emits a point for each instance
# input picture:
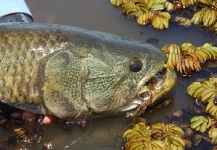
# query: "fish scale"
(19, 53)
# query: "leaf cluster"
(206, 92)
(157, 12)
(188, 57)
(145, 11)
(156, 137)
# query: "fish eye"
(135, 64)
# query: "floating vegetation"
(158, 12)
(214, 27)
(161, 20)
(139, 132)
(187, 57)
(118, 2)
(200, 123)
(206, 92)
(213, 135)
(158, 136)
(145, 11)
(182, 21)
(207, 15)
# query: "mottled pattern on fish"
(19, 52)
(71, 72)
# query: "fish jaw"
(155, 89)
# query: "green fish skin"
(71, 72)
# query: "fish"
(77, 74)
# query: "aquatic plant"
(207, 15)
(145, 11)
(214, 27)
(204, 123)
(187, 57)
(183, 21)
(160, 20)
(157, 136)
(213, 135)
(157, 12)
(200, 123)
(118, 2)
(151, 145)
(206, 92)
(139, 132)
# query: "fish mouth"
(156, 88)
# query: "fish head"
(143, 78)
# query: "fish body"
(70, 72)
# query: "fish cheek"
(62, 88)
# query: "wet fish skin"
(71, 72)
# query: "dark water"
(105, 133)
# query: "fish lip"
(139, 102)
